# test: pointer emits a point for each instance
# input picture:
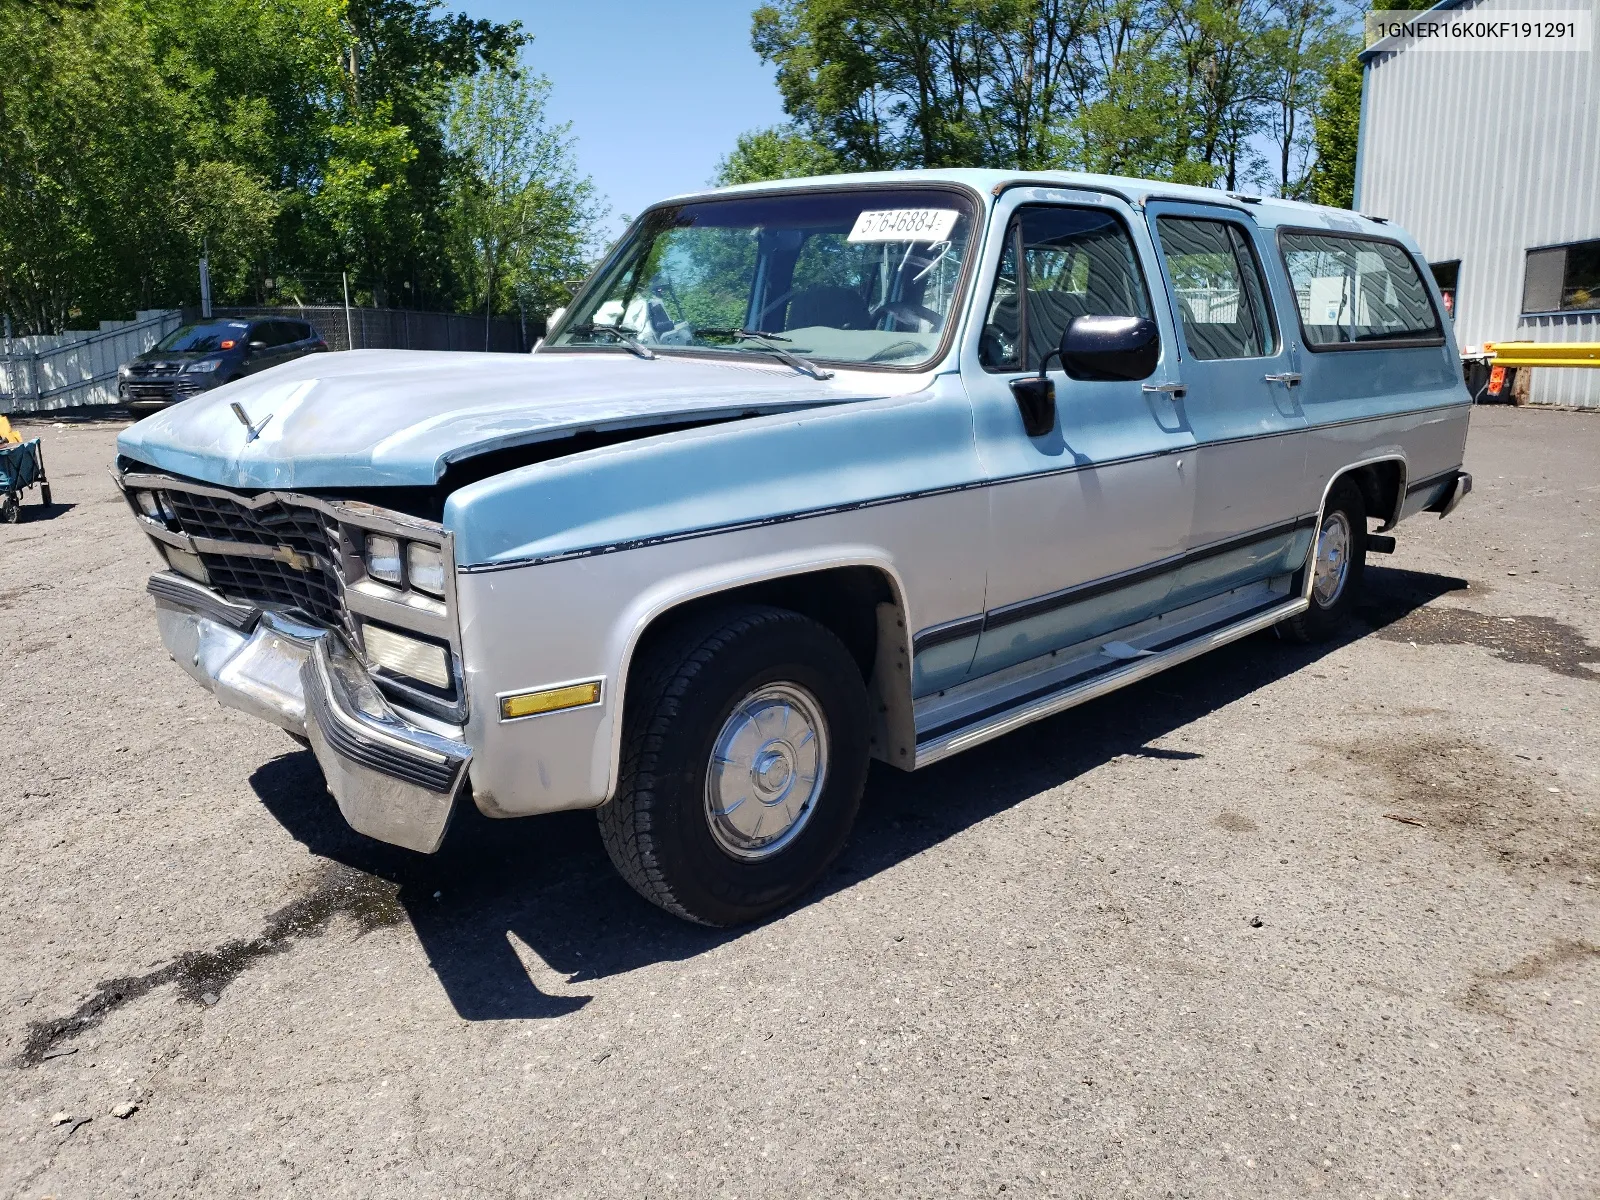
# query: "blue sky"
(656, 92)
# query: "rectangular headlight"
(425, 568)
(382, 556)
(185, 563)
(153, 505)
(406, 655)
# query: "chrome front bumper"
(393, 780)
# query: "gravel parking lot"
(1281, 922)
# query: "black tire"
(10, 509)
(1329, 613)
(44, 494)
(682, 691)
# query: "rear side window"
(1217, 285)
(1355, 292)
(1067, 263)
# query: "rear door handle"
(1287, 378)
(1175, 390)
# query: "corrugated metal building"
(1492, 161)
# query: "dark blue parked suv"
(196, 358)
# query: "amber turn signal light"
(531, 704)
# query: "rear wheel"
(1338, 564)
(744, 757)
(44, 494)
(10, 509)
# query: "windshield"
(199, 339)
(860, 276)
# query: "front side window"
(1355, 291)
(1074, 262)
(204, 339)
(1562, 279)
(858, 277)
(1217, 284)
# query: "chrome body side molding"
(996, 725)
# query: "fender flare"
(1390, 454)
(891, 675)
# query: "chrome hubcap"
(768, 766)
(1333, 560)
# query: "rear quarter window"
(1357, 292)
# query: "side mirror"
(1110, 348)
(258, 345)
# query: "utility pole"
(205, 280)
(349, 330)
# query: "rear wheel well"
(1380, 484)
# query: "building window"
(1446, 274)
(1562, 279)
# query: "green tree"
(1190, 90)
(365, 200)
(777, 153)
(521, 215)
(1337, 126)
(291, 138)
(1303, 48)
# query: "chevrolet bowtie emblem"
(251, 430)
(290, 557)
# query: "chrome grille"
(148, 390)
(316, 592)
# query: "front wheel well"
(862, 607)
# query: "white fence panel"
(46, 372)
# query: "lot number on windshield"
(904, 225)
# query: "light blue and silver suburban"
(873, 466)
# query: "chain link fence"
(396, 328)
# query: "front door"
(1241, 399)
(1086, 519)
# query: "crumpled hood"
(369, 418)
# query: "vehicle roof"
(1266, 210)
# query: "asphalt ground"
(1281, 922)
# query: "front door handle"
(1287, 378)
(1175, 390)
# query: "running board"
(1074, 694)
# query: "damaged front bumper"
(393, 780)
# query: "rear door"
(1241, 398)
(1086, 519)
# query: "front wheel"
(743, 761)
(1338, 564)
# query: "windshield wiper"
(625, 336)
(767, 340)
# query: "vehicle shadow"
(547, 887)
